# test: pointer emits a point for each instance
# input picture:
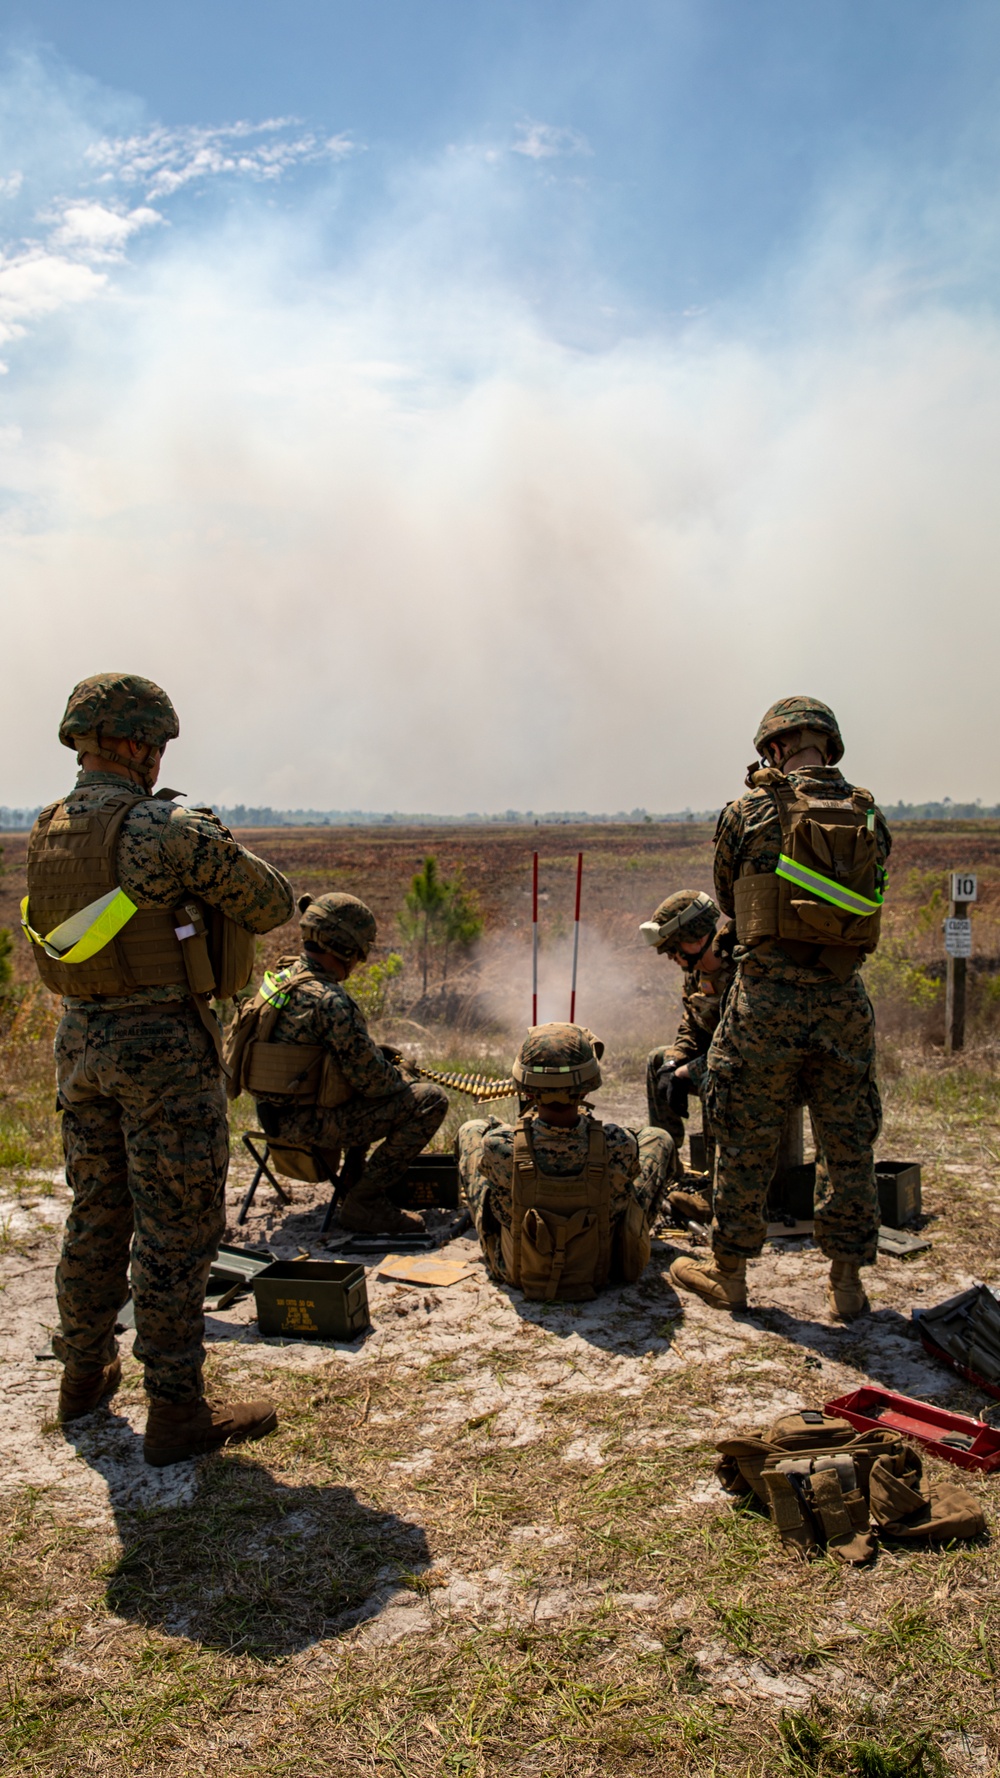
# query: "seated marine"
(686, 929)
(563, 1204)
(303, 1049)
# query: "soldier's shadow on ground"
(630, 1320)
(237, 1560)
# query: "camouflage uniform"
(702, 999)
(319, 1010)
(144, 1112)
(796, 1026)
(640, 1167)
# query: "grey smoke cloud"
(391, 542)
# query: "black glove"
(674, 1091)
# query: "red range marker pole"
(534, 939)
(576, 937)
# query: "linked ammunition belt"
(478, 1086)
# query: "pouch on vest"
(633, 1243)
(306, 1073)
(828, 887)
(559, 1241)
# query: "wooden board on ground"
(432, 1268)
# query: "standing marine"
(138, 911)
(303, 1049)
(686, 929)
(563, 1204)
(800, 864)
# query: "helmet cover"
(798, 713)
(687, 914)
(118, 707)
(338, 923)
(558, 1062)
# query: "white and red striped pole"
(576, 937)
(534, 939)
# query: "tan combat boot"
(721, 1281)
(367, 1215)
(687, 1204)
(845, 1292)
(176, 1430)
(80, 1392)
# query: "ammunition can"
(312, 1299)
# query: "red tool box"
(955, 1437)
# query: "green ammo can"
(312, 1299)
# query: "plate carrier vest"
(305, 1073)
(71, 863)
(559, 1241)
(829, 887)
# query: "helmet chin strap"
(142, 775)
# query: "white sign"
(958, 937)
(963, 886)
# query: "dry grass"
(481, 1552)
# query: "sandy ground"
(783, 1352)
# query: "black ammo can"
(312, 1299)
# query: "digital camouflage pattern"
(792, 1031)
(702, 998)
(749, 832)
(698, 925)
(779, 1042)
(320, 1010)
(147, 1148)
(144, 1121)
(793, 713)
(166, 851)
(558, 1061)
(640, 1167)
(340, 924)
(119, 706)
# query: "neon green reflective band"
(85, 933)
(825, 889)
(271, 989)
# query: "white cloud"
(10, 184)
(543, 141)
(87, 225)
(163, 159)
(36, 282)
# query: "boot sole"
(161, 1459)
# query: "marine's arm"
(623, 1166)
(338, 1022)
(166, 851)
(691, 1039)
(727, 838)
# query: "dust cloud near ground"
(487, 1536)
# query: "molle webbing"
(559, 1242)
(827, 890)
(71, 864)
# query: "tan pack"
(72, 862)
(304, 1072)
(560, 1242)
(829, 886)
(827, 1486)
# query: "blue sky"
(556, 383)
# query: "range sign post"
(958, 945)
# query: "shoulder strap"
(524, 1175)
(599, 1194)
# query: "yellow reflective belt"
(825, 889)
(272, 989)
(85, 933)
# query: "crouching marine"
(303, 1050)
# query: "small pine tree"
(461, 920)
(425, 901)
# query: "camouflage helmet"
(118, 707)
(689, 913)
(340, 924)
(807, 713)
(558, 1062)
